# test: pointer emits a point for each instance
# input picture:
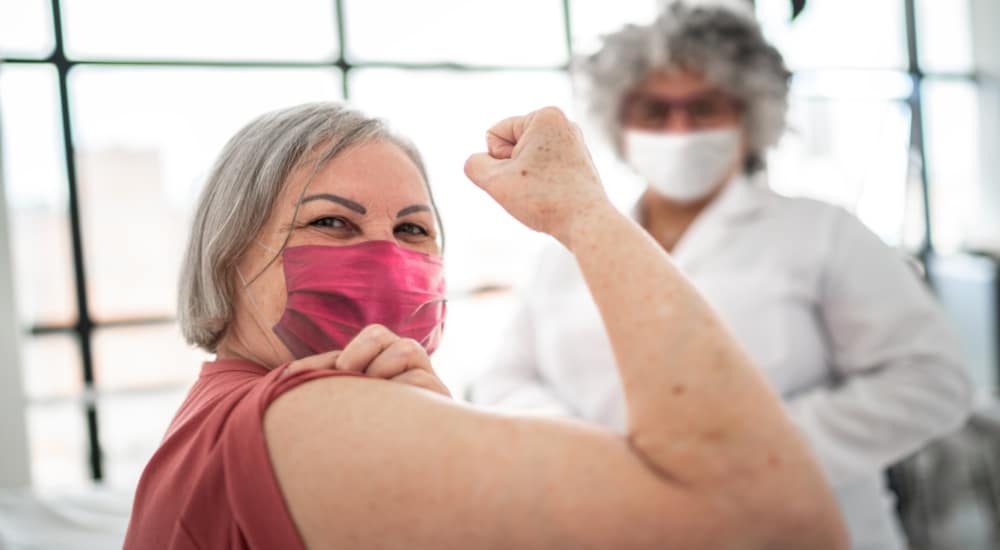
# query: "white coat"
(838, 323)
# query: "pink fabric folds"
(335, 291)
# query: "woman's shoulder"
(806, 211)
(216, 439)
(816, 223)
(820, 219)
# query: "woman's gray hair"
(721, 42)
(241, 192)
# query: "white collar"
(742, 196)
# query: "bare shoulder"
(333, 424)
(357, 456)
(328, 416)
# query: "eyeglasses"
(708, 110)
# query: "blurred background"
(111, 112)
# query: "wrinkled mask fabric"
(336, 291)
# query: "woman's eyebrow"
(412, 209)
(347, 203)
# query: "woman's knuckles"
(377, 333)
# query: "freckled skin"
(714, 435)
(773, 460)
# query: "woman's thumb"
(480, 168)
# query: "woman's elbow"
(798, 515)
(935, 393)
(800, 512)
(815, 524)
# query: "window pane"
(944, 32)
(52, 366)
(853, 84)
(987, 235)
(485, 245)
(590, 20)
(851, 151)
(131, 428)
(140, 357)
(303, 30)
(837, 33)
(951, 128)
(515, 32)
(57, 436)
(145, 141)
(35, 180)
(25, 28)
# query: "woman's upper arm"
(380, 465)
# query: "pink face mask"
(335, 291)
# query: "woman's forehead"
(373, 173)
(675, 82)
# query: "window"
(113, 111)
(510, 33)
(884, 110)
(838, 34)
(224, 30)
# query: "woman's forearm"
(697, 408)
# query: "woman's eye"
(411, 229)
(331, 222)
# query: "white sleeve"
(513, 382)
(902, 377)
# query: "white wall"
(14, 463)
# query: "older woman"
(837, 323)
(316, 232)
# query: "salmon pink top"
(211, 485)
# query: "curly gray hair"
(724, 44)
(241, 191)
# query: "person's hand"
(379, 353)
(538, 168)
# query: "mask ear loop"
(265, 247)
(438, 328)
(257, 315)
(277, 252)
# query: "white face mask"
(683, 167)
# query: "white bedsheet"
(88, 520)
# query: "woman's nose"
(677, 121)
(381, 231)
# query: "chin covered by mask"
(683, 167)
(335, 291)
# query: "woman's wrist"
(587, 221)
